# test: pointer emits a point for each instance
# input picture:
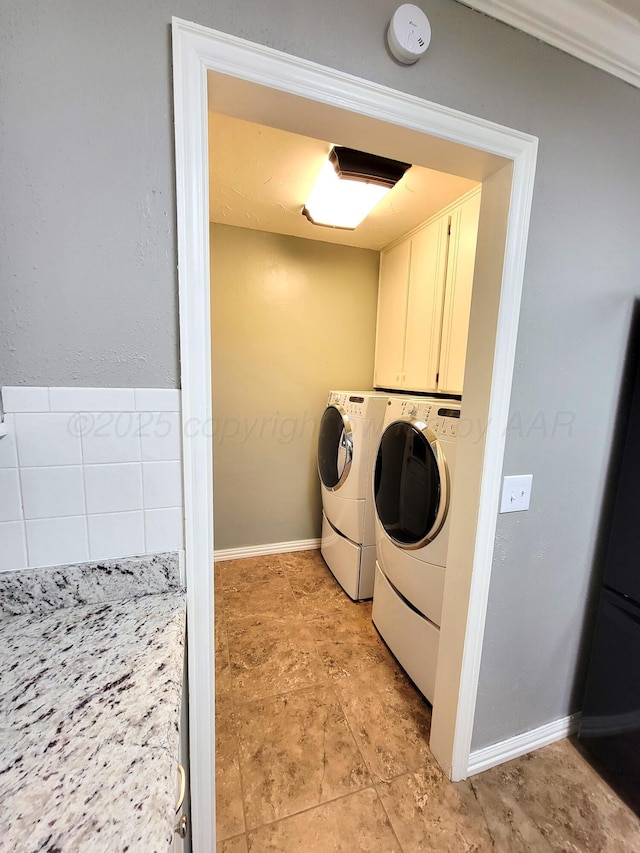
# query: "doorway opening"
(293, 311)
(254, 83)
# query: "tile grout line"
(311, 808)
(388, 816)
(483, 813)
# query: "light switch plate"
(516, 493)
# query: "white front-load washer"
(414, 468)
(348, 439)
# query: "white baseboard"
(263, 550)
(498, 753)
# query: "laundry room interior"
(293, 316)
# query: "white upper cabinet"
(424, 307)
(424, 298)
(392, 314)
(457, 295)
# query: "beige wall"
(291, 319)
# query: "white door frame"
(197, 50)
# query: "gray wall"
(290, 319)
(88, 256)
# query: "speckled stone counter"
(90, 690)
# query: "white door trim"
(196, 50)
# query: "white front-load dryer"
(414, 468)
(348, 439)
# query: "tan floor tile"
(233, 845)
(304, 564)
(390, 721)
(355, 625)
(229, 810)
(511, 829)
(563, 797)
(237, 575)
(266, 600)
(222, 673)
(316, 590)
(220, 631)
(429, 813)
(217, 579)
(296, 751)
(350, 645)
(353, 824)
(222, 665)
(272, 657)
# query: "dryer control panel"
(441, 416)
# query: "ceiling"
(260, 177)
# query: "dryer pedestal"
(412, 638)
(353, 566)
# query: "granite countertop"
(90, 697)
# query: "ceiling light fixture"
(349, 186)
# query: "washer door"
(411, 484)
(335, 447)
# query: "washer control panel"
(355, 405)
(352, 404)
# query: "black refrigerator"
(610, 723)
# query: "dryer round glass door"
(335, 447)
(411, 484)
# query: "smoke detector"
(409, 33)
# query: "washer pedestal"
(353, 566)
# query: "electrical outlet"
(516, 493)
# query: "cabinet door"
(457, 299)
(392, 308)
(424, 306)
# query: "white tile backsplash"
(72, 485)
(162, 484)
(10, 501)
(52, 492)
(113, 488)
(157, 400)
(53, 541)
(121, 532)
(8, 449)
(163, 529)
(111, 437)
(47, 439)
(160, 434)
(13, 546)
(92, 399)
(18, 398)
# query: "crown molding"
(591, 30)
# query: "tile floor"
(322, 741)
